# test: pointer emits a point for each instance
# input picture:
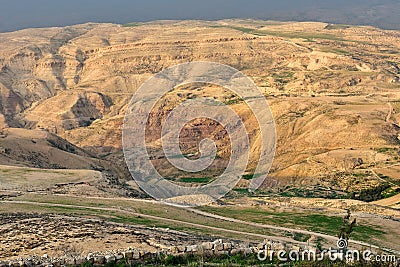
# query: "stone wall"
(134, 256)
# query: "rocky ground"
(25, 235)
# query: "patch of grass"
(251, 176)
(389, 51)
(136, 220)
(308, 36)
(337, 26)
(132, 24)
(203, 180)
(242, 191)
(360, 174)
(390, 192)
(301, 237)
(283, 77)
(315, 192)
(242, 29)
(233, 101)
(371, 194)
(247, 176)
(385, 149)
(179, 156)
(312, 222)
(335, 51)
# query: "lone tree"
(347, 226)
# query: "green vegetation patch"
(132, 24)
(312, 222)
(242, 29)
(251, 176)
(375, 193)
(308, 36)
(335, 51)
(386, 149)
(203, 180)
(337, 26)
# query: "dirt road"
(330, 238)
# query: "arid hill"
(333, 89)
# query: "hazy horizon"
(21, 14)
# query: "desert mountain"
(333, 89)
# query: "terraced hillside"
(333, 91)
